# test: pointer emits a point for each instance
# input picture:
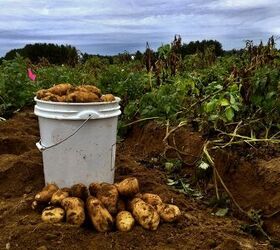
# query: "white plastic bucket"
(78, 141)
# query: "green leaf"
(224, 102)
(229, 114)
(232, 99)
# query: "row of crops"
(202, 89)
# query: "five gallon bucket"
(78, 141)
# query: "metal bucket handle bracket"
(89, 115)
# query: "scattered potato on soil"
(80, 191)
(152, 199)
(99, 215)
(75, 212)
(168, 212)
(93, 188)
(107, 98)
(128, 187)
(53, 214)
(108, 195)
(46, 194)
(145, 214)
(124, 221)
(60, 89)
(58, 196)
(81, 96)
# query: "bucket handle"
(42, 148)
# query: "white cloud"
(131, 22)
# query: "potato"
(58, 196)
(89, 88)
(42, 93)
(121, 205)
(128, 187)
(60, 89)
(107, 98)
(75, 212)
(80, 191)
(145, 214)
(168, 212)
(93, 188)
(124, 221)
(46, 194)
(52, 98)
(108, 195)
(53, 214)
(99, 215)
(81, 96)
(151, 199)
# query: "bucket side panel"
(86, 157)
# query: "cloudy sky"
(112, 26)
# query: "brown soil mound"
(21, 176)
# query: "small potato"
(145, 214)
(168, 212)
(128, 187)
(93, 188)
(46, 194)
(75, 212)
(99, 215)
(53, 214)
(152, 199)
(124, 221)
(58, 196)
(60, 89)
(81, 96)
(107, 98)
(80, 191)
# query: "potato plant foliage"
(204, 87)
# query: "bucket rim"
(117, 100)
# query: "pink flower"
(31, 75)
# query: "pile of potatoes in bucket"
(106, 206)
(65, 92)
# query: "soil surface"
(253, 183)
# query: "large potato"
(46, 194)
(107, 194)
(89, 88)
(128, 187)
(124, 221)
(53, 214)
(61, 89)
(80, 191)
(99, 215)
(81, 96)
(75, 212)
(145, 214)
(151, 199)
(58, 196)
(168, 212)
